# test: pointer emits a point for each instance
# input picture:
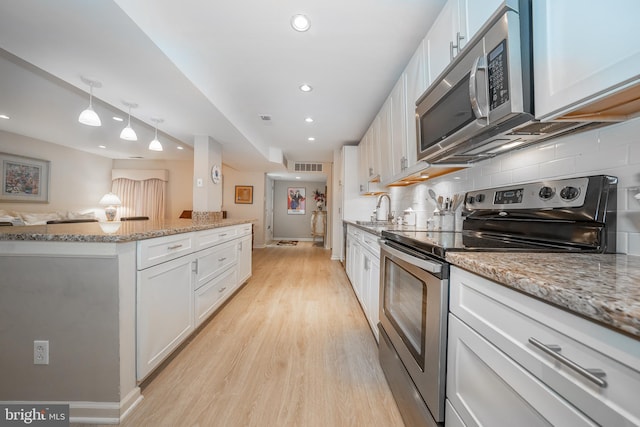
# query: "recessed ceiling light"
(4, 116)
(102, 146)
(308, 120)
(118, 119)
(297, 177)
(180, 147)
(306, 88)
(300, 23)
(311, 139)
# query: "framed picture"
(244, 194)
(296, 200)
(23, 179)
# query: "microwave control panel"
(498, 76)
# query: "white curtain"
(141, 198)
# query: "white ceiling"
(207, 68)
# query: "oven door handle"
(430, 266)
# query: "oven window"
(405, 305)
(449, 115)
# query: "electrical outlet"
(41, 352)
(199, 182)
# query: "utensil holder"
(448, 221)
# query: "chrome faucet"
(379, 215)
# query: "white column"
(207, 153)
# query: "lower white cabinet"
(244, 259)
(178, 289)
(164, 311)
(363, 270)
(498, 372)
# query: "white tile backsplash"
(612, 150)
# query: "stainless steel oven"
(560, 215)
(413, 331)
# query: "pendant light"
(128, 133)
(88, 116)
(155, 144)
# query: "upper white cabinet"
(416, 82)
(455, 26)
(398, 143)
(385, 139)
(582, 54)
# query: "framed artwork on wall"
(296, 200)
(23, 179)
(244, 194)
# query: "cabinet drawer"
(487, 388)
(161, 249)
(508, 319)
(212, 261)
(212, 295)
(370, 241)
(244, 230)
(215, 236)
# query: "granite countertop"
(601, 287)
(378, 228)
(111, 232)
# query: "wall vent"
(307, 167)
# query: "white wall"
(254, 211)
(613, 150)
(179, 187)
(77, 179)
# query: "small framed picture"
(23, 179)
(244, 194)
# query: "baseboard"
(97, 412)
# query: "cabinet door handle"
(174, 247)
(222, 290)
(195, 266)
(594, 375)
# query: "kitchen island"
(103, 295)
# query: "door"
(268, 209)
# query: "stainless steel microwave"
(486, 90)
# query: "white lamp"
(155, 144)
(110, 200)
(88, 116)
(128, 133)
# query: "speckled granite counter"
(111, 232)
(603, 288)
(377, 229)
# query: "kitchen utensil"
(433, 195)
(457, 201)
(440, 201)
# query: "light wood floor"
(292, 348)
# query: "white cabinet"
(385, 140)
(399, 152)
(493, 332)
(244, 258)
(457, 23)
(582, 54)
(164, 311)
(181, 280)
(363, 270)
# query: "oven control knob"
(570, 193)
(471, 200)
(546, 193)
(480, 198)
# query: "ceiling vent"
(307, 167)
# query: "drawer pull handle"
(174, 247)
(223, 235)
(594, 375)
(221, 259)
(222, 290)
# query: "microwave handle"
(480, 111)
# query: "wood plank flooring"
(292, 348)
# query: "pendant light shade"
(89, 117)
(128, 133)
(155, 144)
